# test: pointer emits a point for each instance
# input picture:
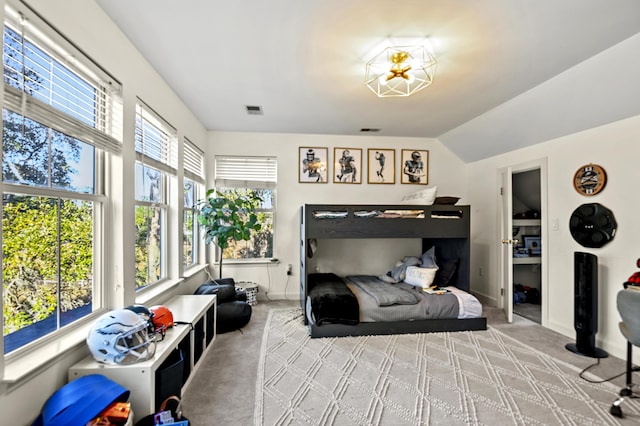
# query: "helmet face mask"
(120, 337)
(134, 345)
(146, 315)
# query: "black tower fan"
(585, 275)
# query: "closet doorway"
(523, 206)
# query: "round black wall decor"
(592, 225)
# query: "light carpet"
(458, 378)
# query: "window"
(193, 183)
(59, 119)
(239, 175)
(156, 162)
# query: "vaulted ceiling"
(302, 62)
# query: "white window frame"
(252, 172)
(193, 165)
(104, 134)
(162, 155)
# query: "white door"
(506, 283)
(506, 235)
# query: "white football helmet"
(120, 337)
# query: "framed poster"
(381, 165)
(347, 165)
(533, 244)
(415, 167)
(313, 164)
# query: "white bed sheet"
(468, 305)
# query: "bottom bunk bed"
(360, 305)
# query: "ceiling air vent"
(254, 109)
(365, 130)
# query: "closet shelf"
(526, 222)
(532, 260)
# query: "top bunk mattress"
(409, 302)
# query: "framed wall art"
(347, 165)
(533, 244)
(381, 165)
(313, 164)
(415, 167)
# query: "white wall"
(84, 23)
(446, 171)
(613, 146)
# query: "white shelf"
(140, 378)
(533, 260)
(526, 222)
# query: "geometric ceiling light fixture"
(400, 71)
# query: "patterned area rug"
(462, 378)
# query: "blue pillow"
(428, 258)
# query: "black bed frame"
(444, 226)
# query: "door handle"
(506, 241)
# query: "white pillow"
(420, 277)
(424, 197)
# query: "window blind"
(156, 143)
(193, 162)
(245, 172)
(48, 79)
(27, 106)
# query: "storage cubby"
(176, 358)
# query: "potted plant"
(228, 217)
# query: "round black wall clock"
(589, 179)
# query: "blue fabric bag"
(80, 401)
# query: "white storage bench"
(191, 341)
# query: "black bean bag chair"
(233, 311)
(225, 288)
(232, 316)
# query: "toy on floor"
(634, 280)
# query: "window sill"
(194, 270)
(157, 292)
(240, 262)
(28, 364)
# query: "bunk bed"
(442, 229)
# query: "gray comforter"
(428, 306)
(385, 294)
